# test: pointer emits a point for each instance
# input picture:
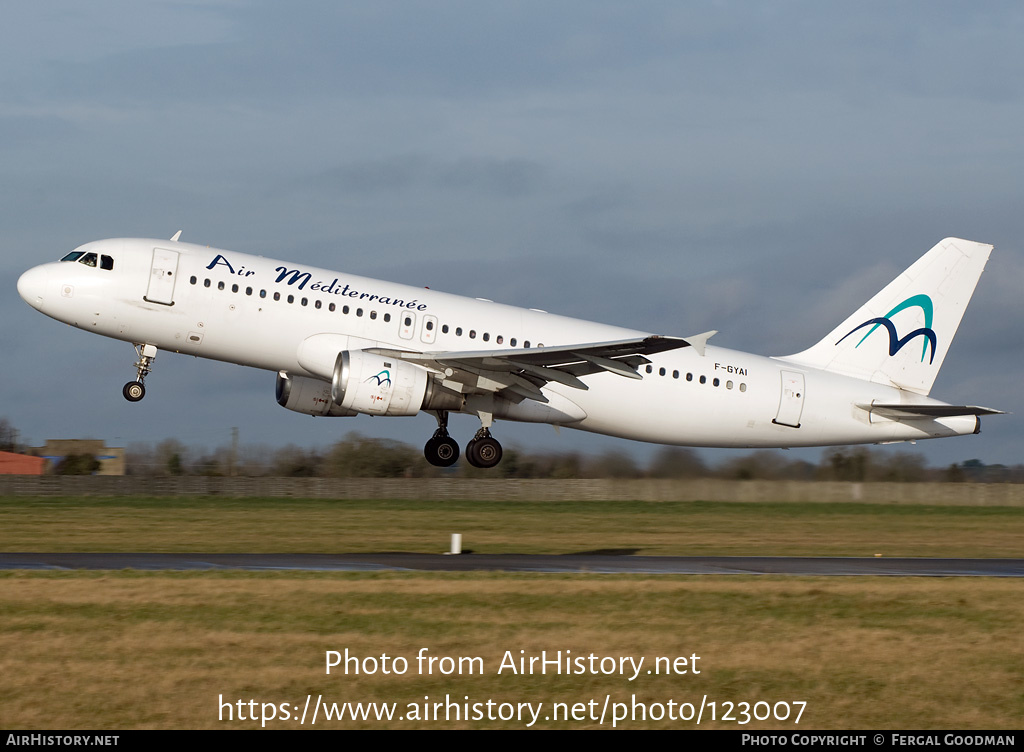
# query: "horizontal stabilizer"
(905, 412)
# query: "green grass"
(648, 528)
(156, 650)
(120, 650)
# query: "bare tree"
(8, 436)
(677, 462)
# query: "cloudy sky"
(757, 168)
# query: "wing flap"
(629, 365)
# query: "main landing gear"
(441, 450)
(482, 451)
(134, 391)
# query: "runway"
(598, 563)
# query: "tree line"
(358, 456)
(366, 457)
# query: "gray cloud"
(503, 178)
(760, 170)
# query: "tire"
(134, 391)
(447, 452)
(441, 452)
(483, 453)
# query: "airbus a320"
(343, 345)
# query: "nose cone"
(32, 286)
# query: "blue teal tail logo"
(895, 343)
(383, 378)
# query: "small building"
(21, 464)
(111, 458)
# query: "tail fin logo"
(895, 343)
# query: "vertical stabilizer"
(900, 337)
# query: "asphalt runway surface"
(592, 562)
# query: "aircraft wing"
(520, 374)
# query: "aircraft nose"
(32, 286)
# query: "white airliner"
(343, 345)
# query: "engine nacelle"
(377, 385)
(310, 396)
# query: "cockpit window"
(88, 259)
(73, 256)
(106, 263)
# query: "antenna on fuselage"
(175, 236)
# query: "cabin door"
(791, 401)
(162, 277)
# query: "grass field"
(649, 528)
(119, 650)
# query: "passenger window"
(486, 336)
(206, 283)
(277, 296)
(499, 339)
(458, 331)
(387, 317)
(193, 279)
(234, 288)
(373, 314)
(472, 333)
(512, 342)
(220, 285)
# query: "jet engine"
(377, 385)
(310, 396)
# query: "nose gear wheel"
(134, 391)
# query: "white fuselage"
(259, 312)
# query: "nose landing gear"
(134, 391)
